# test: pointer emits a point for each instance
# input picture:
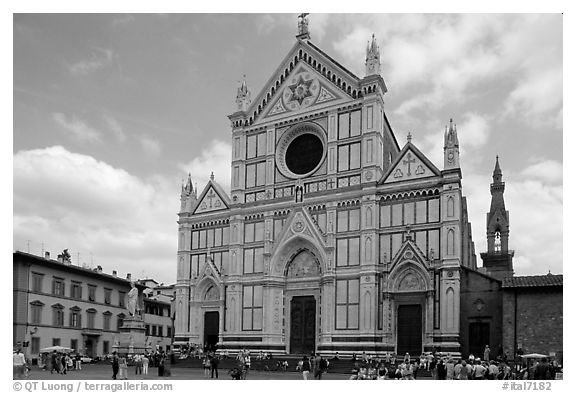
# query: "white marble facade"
(334, 237)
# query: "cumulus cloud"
(214, 158)
(546, 171)
(99, 58)
(442, 59)
(77, 128)
(70, 200)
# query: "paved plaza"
(104, 372)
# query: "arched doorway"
(303, 292)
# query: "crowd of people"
(444, 367)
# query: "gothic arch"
(285, 253)
(203, 286)
(450, 242)
(369, 217)
(302, 263)
(409, 276)
(450, 308)
(368, 249)
(450, 206)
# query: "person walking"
(78, 362)
(19, 364)
(206, 364)
(64, 364)
(213, 366)
(137, 364)
(161, 366)
(145, 362)
(450, 369)
(305, 368)
(115, 365)
(123, 367)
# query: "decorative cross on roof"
(409, 161)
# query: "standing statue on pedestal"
(132, 303)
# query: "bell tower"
(498, 259)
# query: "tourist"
(382, 371)
(145, 362)
(433, 370)
(18, 364)
(78, 362)
(247, 364)
(441, 371)
(450, 369)
(167, 365)
(63, 365)
(160, 365)
(206, 363)
(137, 364)
(492, 370)
(407, 370)
(487, 353)
(123, 368)
(213, 366)
(479, 370)
(463, 371)
(115, 365)
(305, 367)
(407, 358)
(543, 370)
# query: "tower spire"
(451, 147)
(372, 57)
(243, 100)
(498, 258)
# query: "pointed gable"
(303, 88)
(306, 77)
(213, 198)
(410, 164)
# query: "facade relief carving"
(303, 265)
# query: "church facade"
(335, 237)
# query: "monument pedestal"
(132, 337)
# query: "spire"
(189, 187)
(303, 33)
(372, 57)
(497, 174)
(243, 100)
(451, 147)
(451, 136)
(212, 176)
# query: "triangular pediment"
(409, 251)
(209, 270)
(410, 164)
(299, 224)
(213, 198)
(306, 78)
(303, 88)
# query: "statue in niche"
(303, 265)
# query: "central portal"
(302, 324)
(211, 328)
(409, 330)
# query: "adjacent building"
(58, 303)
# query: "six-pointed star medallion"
(300, 90)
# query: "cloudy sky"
(111, 111)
